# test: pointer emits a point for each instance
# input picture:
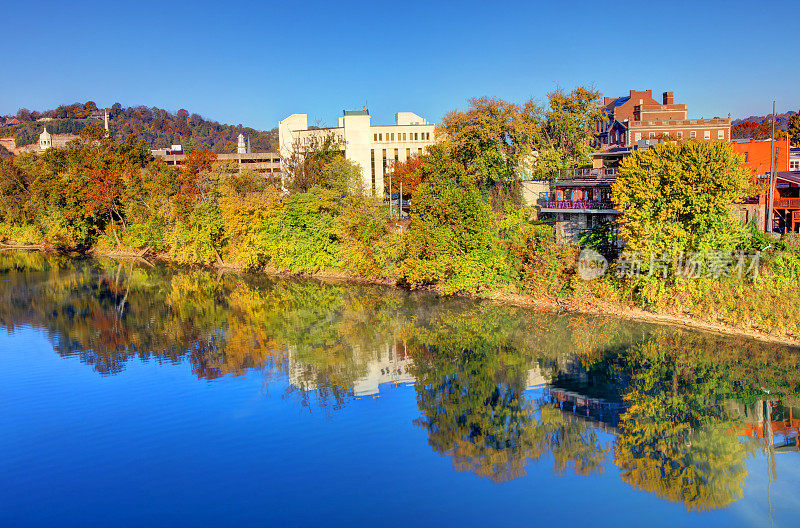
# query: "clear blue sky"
(255, 62)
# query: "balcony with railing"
(577, 205)
(780, 202)
(603, 174)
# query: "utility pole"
(771, 194)
(401, 200)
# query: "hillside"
(760, 127)
(160, 128)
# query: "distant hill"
(160, 128)
(760, 127)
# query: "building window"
(746, 157)
(428, 136)
(376, 137)
(680, 135)
(396, 155)
(404, 136)
(384, 162)
(720, 134)
(380, 137)
(638, 136)
(416, 138)
(408, 153)
(693, 134)
(419, 152)
(707, 134)
(392, 136)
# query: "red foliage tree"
(407, 174)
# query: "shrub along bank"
(469, 234)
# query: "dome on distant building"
(45, 140)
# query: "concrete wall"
(533, 192)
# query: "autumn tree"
(406, 175)
(102, 196)
(490, 139)
(15, 193)
(191, 188)
(453, 239)
(794, 129)
(678, 197)
(318, 161)
(564, 129)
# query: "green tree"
(564, 129)
(314, 163)
(679, 197)
(491, 139)
(794, 129)
(454, 238)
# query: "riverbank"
(588, 304)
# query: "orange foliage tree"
(190, 190)
(408, 174)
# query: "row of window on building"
(679, 134)
(401, 136)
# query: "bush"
(304, 236)
(370, 246)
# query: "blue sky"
(256, 62)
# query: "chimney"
(668, 98)
(606, 100)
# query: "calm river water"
(153, 396)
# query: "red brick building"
(637, 116)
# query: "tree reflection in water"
(686, 399)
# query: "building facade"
(757, 154)
(375, 148)
(638, 116)
(267, 164)
(48, 140)
(579, 200)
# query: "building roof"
(789, 176)
(363, 112)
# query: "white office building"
(374, 147)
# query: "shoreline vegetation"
(593, 306)
(469, 233)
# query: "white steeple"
(45, 140)
(241, 148)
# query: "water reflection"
(677, 413)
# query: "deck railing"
(578, 204)
(786, 203)
(586, 174)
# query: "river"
(137, 395)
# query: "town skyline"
(429, 59)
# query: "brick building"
(757, 154)
(786, 199)
(637, 116)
